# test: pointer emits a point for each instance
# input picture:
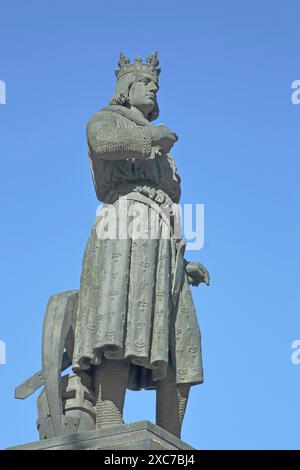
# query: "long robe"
(126, 309)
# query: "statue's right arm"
(108, 142)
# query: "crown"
(150, 67)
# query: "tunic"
(126, 309)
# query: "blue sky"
(225, 88)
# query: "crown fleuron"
(151, 67)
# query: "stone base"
(142, 435)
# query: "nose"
(153, 87)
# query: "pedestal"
(142, 435)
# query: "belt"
(180, 244)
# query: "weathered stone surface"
(133, 323)
(141, 435)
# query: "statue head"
(137, 85)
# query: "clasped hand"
(163, 137)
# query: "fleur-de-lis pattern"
(125, 309)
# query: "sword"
(36, 381)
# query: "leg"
(171, 401)
(110, 381)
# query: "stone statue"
(133, 323)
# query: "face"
(142, 94)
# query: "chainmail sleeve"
(108, 142)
